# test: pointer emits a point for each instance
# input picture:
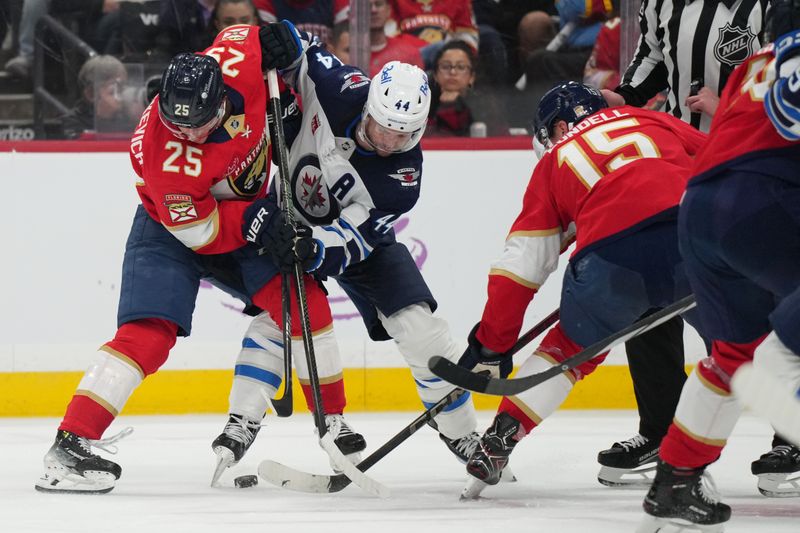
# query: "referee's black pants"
(656, 362)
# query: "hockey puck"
(243, 482)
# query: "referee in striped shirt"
(685, 41)
(688, 48)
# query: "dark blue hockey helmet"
(568, 101)
(191, 92)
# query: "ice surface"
(167, 465)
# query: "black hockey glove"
(257, 218)
(288, 244)
(477, 355)
(280, 45)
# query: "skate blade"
(224, 461)
(507, 476)
(473, 489)
(623, 478)
(654, 524)
(779, 485)
(70, 483)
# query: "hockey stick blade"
(461, 377)
(289, 478)
(474, 381)
(349, 469)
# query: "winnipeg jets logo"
(408, 177)
(733, 44)
(311, 196)
(308, 188)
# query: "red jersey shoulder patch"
(181, 207)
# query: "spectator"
(102, 107)
(91, 15)
(383, 47)
(451, 90)
(183, 25)
(230, 12)
(314, 17)
(548, 56)
(501, 32)
(339, 43)
(435, 22)
(602, 69)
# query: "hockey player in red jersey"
(201, 155)
(738, 228)
(612, 179)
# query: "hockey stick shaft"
(463, 378)
(282, 406)
(543, 325)
(325, 441)
(292, 479)
(280, 155)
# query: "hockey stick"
(283, 406)
(284, 476)
(325, 440)
(461, 377)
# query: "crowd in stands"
(488, 61)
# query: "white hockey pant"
(541, 401)
(419, 335)
(259, 365)
(706, 412)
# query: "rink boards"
(69, 214)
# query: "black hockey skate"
(350, 443)
(683, 499)
(234, 441)
(490, 457)
(71, 467)
(778, 471)
(464, 447)
(627, 463)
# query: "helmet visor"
(383, 139)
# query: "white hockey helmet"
(399, 100)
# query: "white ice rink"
(167, 464)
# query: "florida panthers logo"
(311, 195)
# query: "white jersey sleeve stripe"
(197, 234)
(531, 259)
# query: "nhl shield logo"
(733, 45)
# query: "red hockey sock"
(509, 407)
(679, 449)
(333, 398)
(86, 417)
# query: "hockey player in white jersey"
(355, 167)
